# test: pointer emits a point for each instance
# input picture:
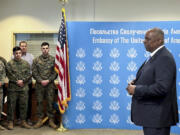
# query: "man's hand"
(20, 83)
(132, 82)
(131, 88)
(44, 82)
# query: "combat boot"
(52, 124)
(25, 125)
(38, 124)
(10, 125)
(2, 128)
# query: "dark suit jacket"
(154, 103)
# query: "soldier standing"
(44, 74)
(18, 73)
(2, 77)
(29, 58)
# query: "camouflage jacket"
(3, 60)
(2, 73)
(18, 70)
(43, 68)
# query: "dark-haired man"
(18, 73)
(44, 74)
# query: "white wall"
(44, 15)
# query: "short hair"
(22, 42)
(44, 44)
(158, 33)
(16, 48)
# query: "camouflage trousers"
(47, 93)
(13, 97)
(1, 101)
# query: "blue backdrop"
(104, 57)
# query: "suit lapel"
(150, 61)
(140, 69)
(139, 72)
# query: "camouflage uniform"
(3, 60)
(43, 69)
(2, 77)
(17, 70)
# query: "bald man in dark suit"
(154, 98)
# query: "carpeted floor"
(45, 130)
